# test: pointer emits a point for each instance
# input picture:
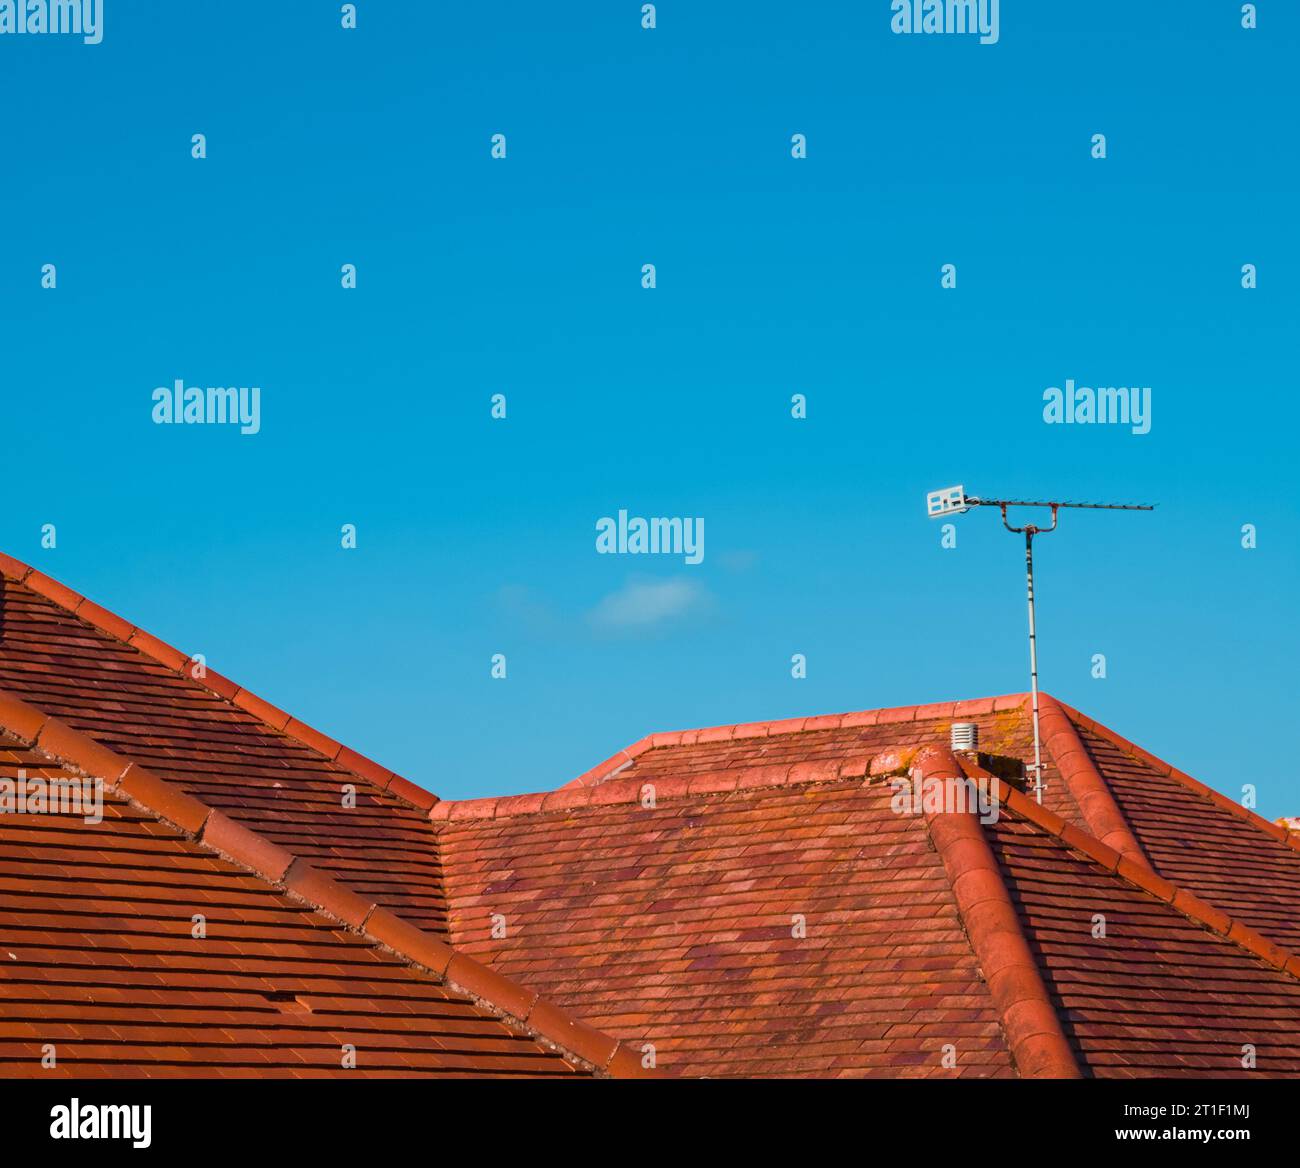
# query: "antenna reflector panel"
(949, 501)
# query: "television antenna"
(955, 501)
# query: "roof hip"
(1096, 803)
(1029, 1020)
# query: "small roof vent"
(965, 736)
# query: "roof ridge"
(1274, 830)
(890, 760)
(181, 664)
(1091, 792)
(241, 845)
(967, 708)
(1189, 904)
(1029, 1021)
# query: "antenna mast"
(954, 501)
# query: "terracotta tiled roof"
(742, 900)
(1202, 841)
(219, 743)
(100, 966)
(669, 923)
(1159, 994)
(681, 927)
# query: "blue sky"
(775, 276)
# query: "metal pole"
(1033, 663)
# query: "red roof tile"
(666, 921)
(804, 930)
(102, 967)
(1198, 839)
(1159, 994)
(223, 752)
(98, 963)
(738, 900)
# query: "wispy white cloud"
(642, 604)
